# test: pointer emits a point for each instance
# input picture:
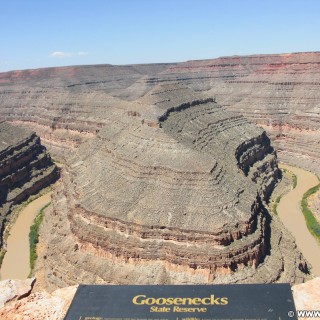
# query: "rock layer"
(161, 184)
(66, 106)
(306, 295)
(175, 196)
(278, 92)
(25, 168)
(22, 302)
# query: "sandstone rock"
(279, 92)
(25, 168)
(179, 202)
(162, 184)
(38, 305)
(306, 295)
(14, 290)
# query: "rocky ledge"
(25, 168)
(66, 106)
(19, 301)
(168, 194)
(278, 92)
(162, 184)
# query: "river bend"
(290, 213)
(16, 263)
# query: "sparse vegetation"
(2, 253)
(312, 223)
(294, 179)
(34, 237)
(289, 183)
(15, 214)
(274, 208)
(56, 161)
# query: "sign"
(182, 302)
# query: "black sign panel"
(190, 302)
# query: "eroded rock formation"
(278, 92)
(19, 301)
(306, 295)
(162, 184)
(66, 106)
(169, 194)
(25, 168)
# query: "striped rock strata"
(25, 168)
(161, 183)
(171, 192)
(66, 106)
(278, 92)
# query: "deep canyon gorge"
(167, 168)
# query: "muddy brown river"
(16, 264)
(16, 261)
(292, 217)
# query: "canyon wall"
(165, 175)
(169, 194)
(25, 168)
(278, 92)
(67, 106)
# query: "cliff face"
(169, 194)
(67, 106)
(162, 184)
(278, 92)
(25, 168)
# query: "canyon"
(165, 174)
(278, 92)
(25, 169)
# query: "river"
(16, 261)
(16, 264)
(292, 217)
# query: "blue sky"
(45, 33)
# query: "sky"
(47, 33)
